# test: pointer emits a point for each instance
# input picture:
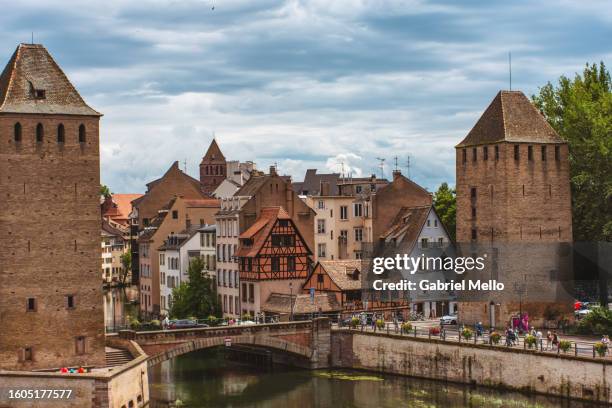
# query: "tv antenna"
(395, 160)
(382, 166)
(185, 165)
(408, 166)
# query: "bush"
(565, 345)
(354, 322)
(212, 320)
(601, 348)
(247, 316)
(495, 337)
(467, 333)
(134, 323)
(406, 327)
(434, 331)
(380, 324)
(530, 340)
(598, 321)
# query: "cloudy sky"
(302, 83)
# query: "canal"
(205, 378)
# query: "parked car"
(448, 319)
(185, 324)
(581, 313)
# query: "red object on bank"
(577, 305)
(64, 370)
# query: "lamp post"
(290, 301)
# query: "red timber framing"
(276, 251)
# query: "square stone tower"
(513, 190)
(51, 311)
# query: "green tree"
(198, 297)
(126, 262)
(445, 204)
(580, 110)
(105, 191)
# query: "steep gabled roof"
(261, 229)
(213, 153)
(31, 69)
(407, 225)
(511, 117)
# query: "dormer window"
(40, 94)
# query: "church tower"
(51, 311)
(513, 192)
(213, 168)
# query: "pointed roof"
(261, 229)
(32, 82)
(511, 117)
(213, 153)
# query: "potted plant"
(212, 320)
(467, 333)
(354, 322)
(601, 348)
(565, 345)
(530, 341)
(155, 324)
(406, 327)
(380, 324)
(134, 323)
(495, 337)
(434, 331)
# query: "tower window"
(70, 301)
(530, 153)
(543, 153)
(17, 132)
(31, 305)
(27, 354)
(82, 134)
(485, 153)
(496, 152)
(61, 138)
(474, 234)
(516, 152)
(473, 192)
(80, 345)
(557, 153)
(474, 154)
(473, 212)
(40, 133)
(464, 154)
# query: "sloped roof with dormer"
(31, 69)
(511, 117)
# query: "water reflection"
(119, 307)
(206, 379)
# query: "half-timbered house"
(273, 258)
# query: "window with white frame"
(357, 209)
(320, 226)
(321, 249)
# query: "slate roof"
(407, 224)
(30, 69)
(281, 303)
(511, 117)
(261, 229)
(341, 273)
(312, 183)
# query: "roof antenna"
(408, 167)
(395, 160)
(32, 37)
(185, 165)
(382, 166)
(510, 68)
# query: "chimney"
(273, 170)
(396, 173)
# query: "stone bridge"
(309, 340)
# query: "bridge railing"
(452, 335)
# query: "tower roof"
(213, 153)
(32, 82)
(511, 117)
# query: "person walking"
(555, 340)
(549, 339)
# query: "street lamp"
(290, 301)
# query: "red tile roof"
(120, 208)
(261, 229)
(203, 203)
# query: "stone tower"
(213, 168)
(513, 188)
(50, 294)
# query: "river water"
(205, 378)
